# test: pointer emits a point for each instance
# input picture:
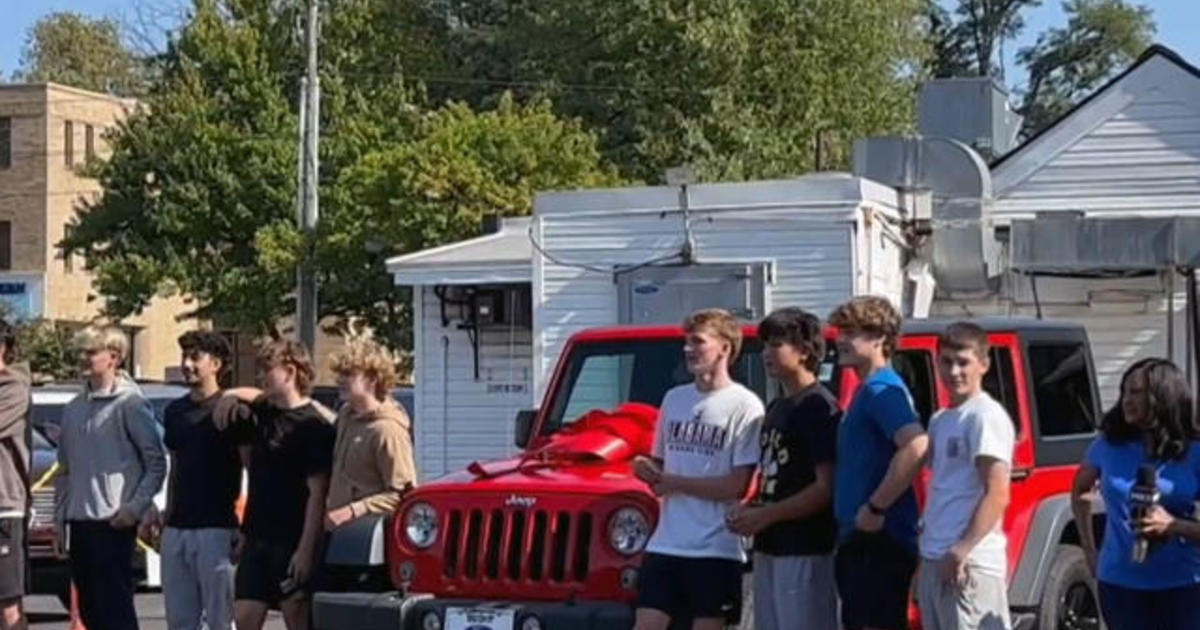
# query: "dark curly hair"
(799, 328)
(1171, 407)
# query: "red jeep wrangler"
(552, 538)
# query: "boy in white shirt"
(963, 572)
(705, 450)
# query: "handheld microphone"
(1143, 496)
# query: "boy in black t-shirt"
(792, 518)
(202, 490)
(290, 444)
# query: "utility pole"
(306, 279)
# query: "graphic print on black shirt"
(288, 445)
(205, 463)
(799, 432)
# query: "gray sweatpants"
(980, 605)
(197, 578)
(794, 593)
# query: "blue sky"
(1178, 24)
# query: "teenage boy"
(705, 450)
(15, 448)
(291, 449)
(202, 490)
(373, 456)
(792, 519)
(962, 584)
(110, 465)
(880, 449)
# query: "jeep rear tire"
(1069, 598)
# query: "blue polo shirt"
(1174, 563)
(865, 446)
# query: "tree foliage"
(972, 44)
(738, 89)
(199, 193)
(79, 51)
(1101, 38)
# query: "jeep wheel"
(1069, 599)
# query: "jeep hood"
(593, 454)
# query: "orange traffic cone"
(76, 620)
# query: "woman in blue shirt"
(1152, 423)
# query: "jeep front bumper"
(392, 611)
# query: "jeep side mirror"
(524, 427)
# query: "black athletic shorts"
(874, 575)
(12, 559)
(693, 588)
(263, 570)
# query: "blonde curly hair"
(871, 314)
(366, 357)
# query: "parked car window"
(916, 368)
(1001, 382)
(1062, 389)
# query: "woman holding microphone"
(1149, 564)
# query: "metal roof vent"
(962, 248)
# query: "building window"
(68, 143)
(5, 142)
(5, 245)
(89, 142)
(68, 259)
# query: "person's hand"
(338, 517)
(60, 542)
(749, 521)
(123, 519)
(665, 485)
(646, 469)
(1156, 523)
(150, 529)
(952, 570)
(868, 521)
(300, 566)
(239, 547)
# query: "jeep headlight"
(421, 525)
(628, 531)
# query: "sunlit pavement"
(45, 613)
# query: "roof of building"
(1154, 51)
(49, 86)
(502, 257)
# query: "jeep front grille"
(517, 545)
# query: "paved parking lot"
(45, 613)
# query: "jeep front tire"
(1069, 598)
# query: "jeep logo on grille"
(522, 502)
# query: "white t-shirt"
(703, 434)
(978, 427)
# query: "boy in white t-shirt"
(963, 548)
(705, 450)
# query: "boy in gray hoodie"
(111, 464)
(15, 447)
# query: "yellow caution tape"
(46, 477)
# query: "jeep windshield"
(604, 375)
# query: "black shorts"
(263, 570)
(693, 588)
(13, 563)
(874, 576)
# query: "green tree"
(973, 44)
(79, 51)
(739, 89)
(436, 189)
(194, 180)
(199, 191)
(1065, 65)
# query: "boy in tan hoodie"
(373, 455)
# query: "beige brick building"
(47, 132)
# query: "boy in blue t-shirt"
(880, 449)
